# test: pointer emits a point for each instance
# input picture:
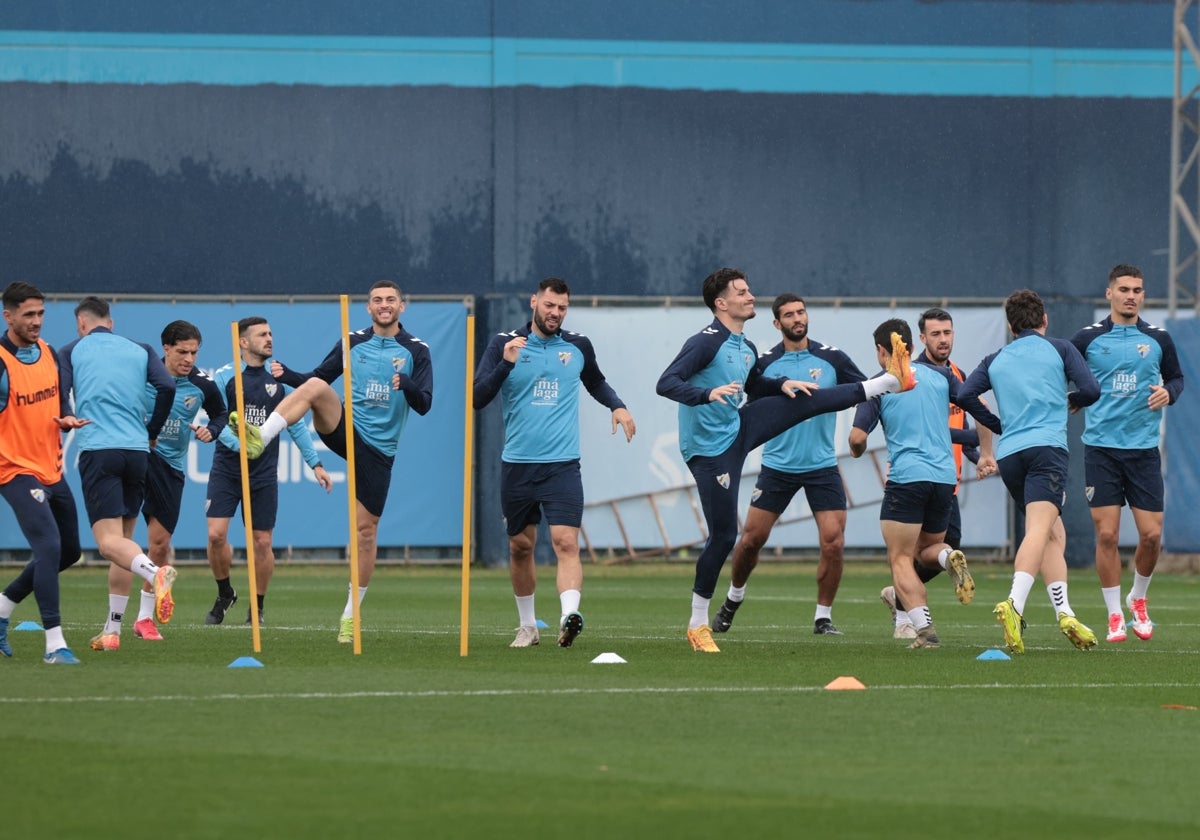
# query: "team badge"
(1089, 492)
(748, 359)
(39, 495)
(723, 480)
(814, 374)
(189, 403)
(754, 497)
(398, 363)
(1143, 350)
(564, 356)
(271, 389)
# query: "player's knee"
(1106, 539)
(1151, 539)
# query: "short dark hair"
(933, 313)
(94, 306)
(782, 301)
(554, 284)
(1124, 270)
(385, 284)
(178, 331)
(1024, 311)
(247, 323)
(18, 292)
(883, 333)
(716, 283)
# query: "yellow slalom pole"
(468, 449)
(247, 516)
(351, 482)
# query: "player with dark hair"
(537, 370)
(109, 376)
(194, 390)
(34, 411)
(386, 361)
(1139, 374)
(921, 478)
(1029, 377)
(802, 458)
(936, 329)
(261, 394)
(710, 378)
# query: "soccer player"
(710, 379)
(194, 389)
(1139, 374)
(537, 370)
(109, 375)
(261, 395)
(34, 411)
(802, 458)
(936, 329)
(1029, 378)
(384, 359)
(921, 481)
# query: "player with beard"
(261, 394)
(710, 378)
(802, 458)
(537, 370)
(385, 361)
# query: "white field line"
(575, 692)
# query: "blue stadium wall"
(840, 148)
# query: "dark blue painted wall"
(294, 189)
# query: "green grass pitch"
(411, 740)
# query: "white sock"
(145, 605)
(920, 617)
(54, 639)
(699, 611)
(6, 606)
(879, 385)
(1140, 585)
(823, 611)
(1022, 585)
(1112, 599)
(348, 612)
(943, 556)
(568, 599)
(116, 612)
(527, 617)
(272, 427)
(1058, 598)
(142, 567)
(737, 594)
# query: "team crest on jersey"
(564, 356)
(398, 363)
(271, 389)
(723, 480)
(39, 495)
(1089, 492)
(748, 358)
(189, 403)
(1143, 350)
(814, 374)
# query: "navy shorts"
(529, 490)
(926, 503)
(1037, 474)
(114, 481)
(372, 469)
(775, 489)
(225, 496)
(1117, 476)
(164, 493)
